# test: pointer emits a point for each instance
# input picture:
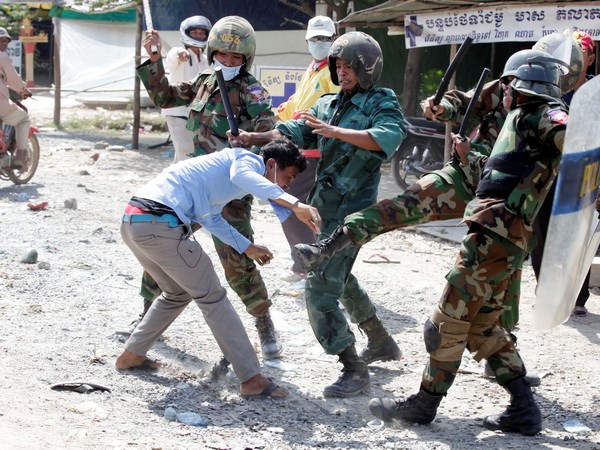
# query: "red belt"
(130, 209)
(313, 153)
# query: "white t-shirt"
(179, 71)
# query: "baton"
(226, 103)
(149, 26)
(443, 87)
(462, 132)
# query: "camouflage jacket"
(520, 171)
(487, 120)
(348, 176)
(250, 102)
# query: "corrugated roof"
(391, 13)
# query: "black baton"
(443, 87)
(462, 132)
(233, 127)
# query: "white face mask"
(229, 73)
(319, 50)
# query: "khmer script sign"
(501, 24)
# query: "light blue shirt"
(197, 189)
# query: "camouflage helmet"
(232, 34)
(557, 44)
(536, 73)
(362, 53)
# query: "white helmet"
(191, 23)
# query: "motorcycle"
(8, 146)
(421, 152)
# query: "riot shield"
(573, 233)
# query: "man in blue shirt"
(157, 227)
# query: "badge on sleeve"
(257, 93)
(558, 116)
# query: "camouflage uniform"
(251, 104)
(347, 181)
(515, 181)
(444, 194)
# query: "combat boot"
(522, 414)
(354, 379)
(126, 332)
(312, 255)
(270, 345)
(419, 408)
(380, 345)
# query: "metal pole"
(56, 58)
(451, 85)
(135, 138)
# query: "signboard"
(15, 53)
(500, 24)
(281, 82)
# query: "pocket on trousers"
(190, 252)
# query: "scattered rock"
(71, 203)
(116, 148)
(30, 257)
(100, 145)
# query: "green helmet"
(557, 45)
(535, 73)
(362, 53)
(232, 34)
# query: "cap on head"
(585, 40)
(320, 26)
(4, 33)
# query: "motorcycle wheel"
(405, 175)
(18, 176)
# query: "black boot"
(269, 340)
(126, 332)
(354, 379)
(312, 255)
(380, 346)
(522, 414)
(419, 408)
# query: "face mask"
(319, 50)
(229, 73)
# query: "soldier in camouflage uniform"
(231, 46)
(442, 194)
(355, 130)
(515, 181)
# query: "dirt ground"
(59, 316)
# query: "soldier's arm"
(454, 103)
(163, 94)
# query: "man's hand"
(431, 111)
(262, 255)
(309, 215)
(183, 55)
(152, 38)
(241, 140)
(319, 127)
(460, 148)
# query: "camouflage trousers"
(240, 271)
(476, 287)
(439, 195)
(330, 282)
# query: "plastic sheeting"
(97, 57)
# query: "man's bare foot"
(128, 360)
(260, 386)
